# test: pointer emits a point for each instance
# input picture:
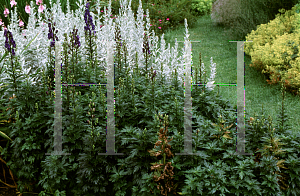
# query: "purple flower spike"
(153, 75)
(8, 35)
(75, 38)
(88, 20)
(52, 34)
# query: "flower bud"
(94, 109)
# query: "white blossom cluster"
(132, 33)
(212, 75)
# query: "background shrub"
(273, 6)
(276, 47)
(224, 11)
(175, 10)
(202, 6)
(240, 17)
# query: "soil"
(7, 191)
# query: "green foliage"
(202, 6)
(273, 7)
(3, 122)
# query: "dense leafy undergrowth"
(138, 122)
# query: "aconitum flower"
(153, 75)
(51, 34)
(88, 20)
(75, 38)
(9, 42)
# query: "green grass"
(215, 43)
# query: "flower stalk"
(163, 180)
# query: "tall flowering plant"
(10, 46)
(9, 42)
(87, 29)
(51, 36)
(210, 85)
(21, 24)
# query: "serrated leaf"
(241, 174)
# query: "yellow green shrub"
(267, 33)
(281, 52)
(293, 74)
(276, 46)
